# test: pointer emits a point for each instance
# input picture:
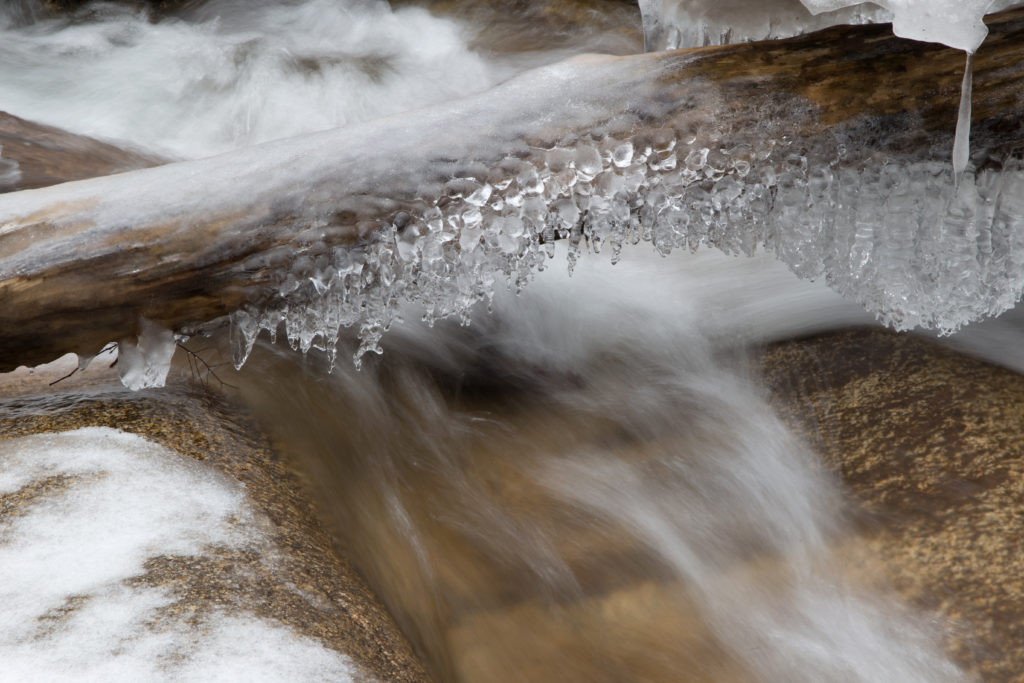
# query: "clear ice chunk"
(143, 363)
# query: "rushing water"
(584, 484)
(587, 485)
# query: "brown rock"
(44, 155)
(309, 587)
(931, 446)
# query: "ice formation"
(672, 24)
(106, 503)
(915, 246)
(144, 362)
(898, 238)
(962, 135)
(956, 23)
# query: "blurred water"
(231, 74)
(587, 485)
(224, 74)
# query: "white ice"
(66, 611)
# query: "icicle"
(245, 327)
(962, 141)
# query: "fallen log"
(803, 145)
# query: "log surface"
(188, 242)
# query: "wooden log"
(185, 243)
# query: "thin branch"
(194, 359)
(109, 347)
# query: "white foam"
(72, 549)
(234, 76)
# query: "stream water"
(587, 482)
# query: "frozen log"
(803, 146)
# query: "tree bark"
(188, 242)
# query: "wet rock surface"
(33, 155)
(295, 577)
(931, 447)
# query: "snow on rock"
(89, 509)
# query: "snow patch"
(96, 504)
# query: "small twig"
(109, 347)
(194, 359)
(64, 377)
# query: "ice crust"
(425, 210)
(68, 610)
(917, 243)
(899, 238)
